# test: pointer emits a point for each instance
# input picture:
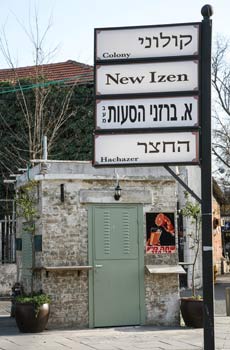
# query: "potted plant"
(192, 306)
(31, 309)
(32, 312)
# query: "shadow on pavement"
(8, 326)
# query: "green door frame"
(140, 255)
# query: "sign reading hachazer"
(147, 77)
(150, 41)
(164, 112)
(154, 148)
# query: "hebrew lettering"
(188, 111)
(156, 41)
(165, 146)
(141, 113)
(173, 107)
(186, 143)
(182, 43)
(144, 113)
(155, 147)
(166, 39)
(143, 144)
(141, 40)
(162, 40)
(169, 144)
(176, 39)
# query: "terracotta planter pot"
(26, 319)
(192, 312)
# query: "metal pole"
(227, 299)
(206, 178)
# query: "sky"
(72, 22)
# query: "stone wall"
(69, 292)
(162, 301)
(8, 277)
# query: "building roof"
(71, 71)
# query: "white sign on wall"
(144, 42)
(154, 148)
(141, 113)
(147, 77)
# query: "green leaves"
(64, 113)
(191, 209)
(37, 300)
(26, 202)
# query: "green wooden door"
(116, 276)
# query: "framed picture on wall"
(160, 233)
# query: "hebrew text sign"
(137, 113)
(147, 42)
(147, 148)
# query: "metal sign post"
(152, 101)
(206, 180)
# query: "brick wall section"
(69, 298)
(217, 238)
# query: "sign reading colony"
(147, 95)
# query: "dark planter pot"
(26, 319)
(192, 312)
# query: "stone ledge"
(164, 269)
(77, 268)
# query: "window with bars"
(7, 232)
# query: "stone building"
(95, 255)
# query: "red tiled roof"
(70, 70)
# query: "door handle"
(98, 266)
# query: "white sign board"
(154, 148)
(141, 113)
(147, 77)
(144, 42)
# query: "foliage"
(73, 140)
(193, 211)
(36, 299)
(26, 203)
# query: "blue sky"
(73, 22)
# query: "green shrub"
(37, 300)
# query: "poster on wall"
(160, 233)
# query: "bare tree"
(44, 106)
(221, 106)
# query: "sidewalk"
(119, 338)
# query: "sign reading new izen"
(147, 77)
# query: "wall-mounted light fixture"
(117, 194)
